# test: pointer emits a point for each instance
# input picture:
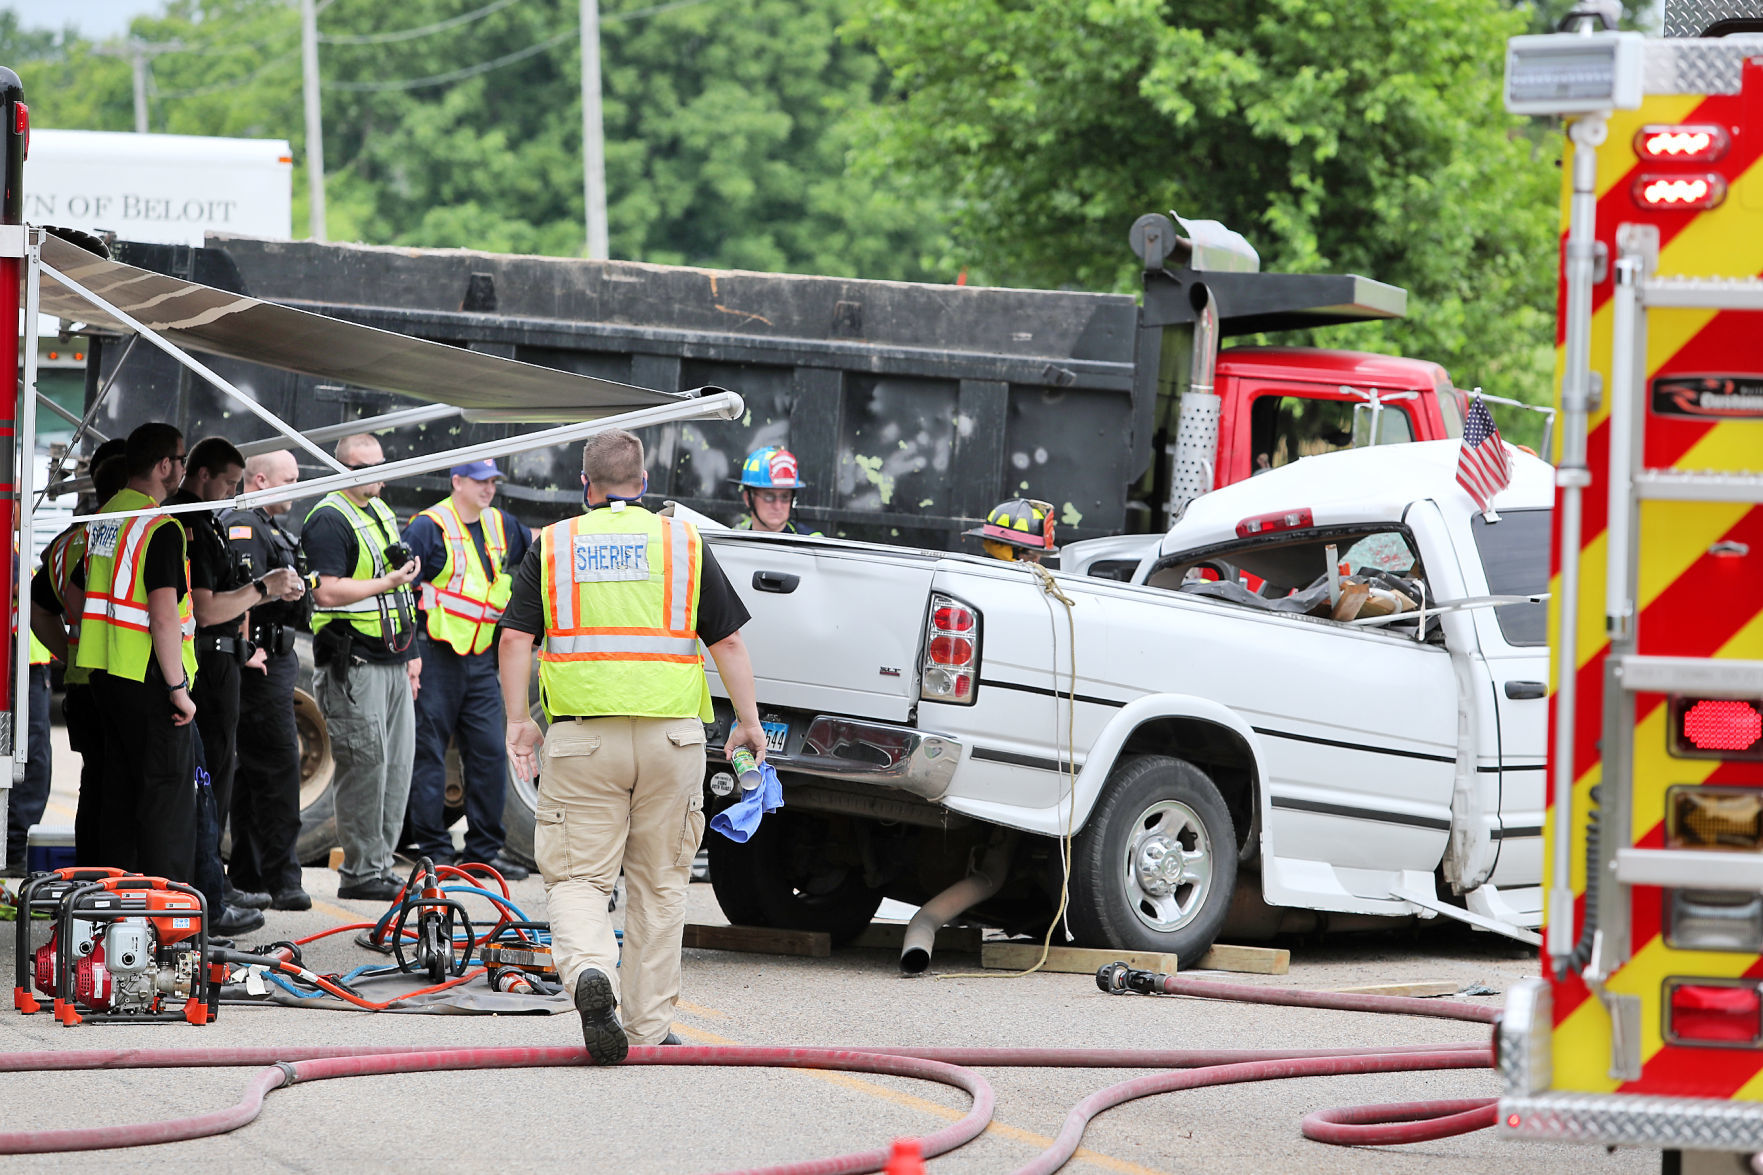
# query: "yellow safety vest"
(465, 599)
(114, 633)
(374, 528)
(621, 615)
(65, 552)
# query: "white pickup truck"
(1321, 691)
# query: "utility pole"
(138, 55)
(593, 132)
(314, 119)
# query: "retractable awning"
(201, 318)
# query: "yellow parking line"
(336, 911)
(883, 1093)
(697, 1010)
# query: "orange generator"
(1646, 1028)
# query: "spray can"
(747, 767)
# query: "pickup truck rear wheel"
(792, 875)
(1154, 867)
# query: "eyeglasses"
(180, 458)
(364, 464)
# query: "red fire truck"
(1646, 1028)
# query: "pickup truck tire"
(1155, 866)
(783, 878)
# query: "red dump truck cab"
(1278, 404)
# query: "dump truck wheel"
(318, 813)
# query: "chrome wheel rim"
(1168, 866)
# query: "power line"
(470, 71)
(633, 14)
(222, 87)
(411, 34)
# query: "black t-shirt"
(163, 565)
(211, 561)
(720, 611)
(331, 548)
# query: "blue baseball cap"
(479, 470)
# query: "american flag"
(1483, 468)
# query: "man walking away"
(466, 547)
(266, 790)
(621, 597)
(137, 637)
(363, 625)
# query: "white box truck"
(166, 189)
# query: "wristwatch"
(262, 588)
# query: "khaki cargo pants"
(621, 792)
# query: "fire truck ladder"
(1627, 673)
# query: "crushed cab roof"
(1356, 485)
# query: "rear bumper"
(875, 753)
(1632, 1119)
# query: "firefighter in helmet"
(1019, 530)
(769, 481)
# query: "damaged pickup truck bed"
(1323, 690)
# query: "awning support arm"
(195, 365)
(720, 405)
(403, 417)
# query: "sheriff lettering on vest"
(468, 550)
(621, 598)
(137, 637)
(363, 629)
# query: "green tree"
(1335, 135)
(729, 123)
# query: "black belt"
(232, 646)
(277, 638)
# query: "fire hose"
(1372, 1125)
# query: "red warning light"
(1685, 143)
(1691, 192)
(1718, 727)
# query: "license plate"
(775, 735)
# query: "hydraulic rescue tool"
(433, 952)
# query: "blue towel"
(740, 819)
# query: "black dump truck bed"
(912, 408)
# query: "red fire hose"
(1371, 1125)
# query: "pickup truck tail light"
(950, 672)
(1298, 519)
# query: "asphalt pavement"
(704, 1119)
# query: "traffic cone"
(905, 1159)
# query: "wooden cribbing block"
(891, 936)
(336, 859)
(760, 940)
(1014, 956)
(1423, 988)
(1247, 960)
(1018, 956)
